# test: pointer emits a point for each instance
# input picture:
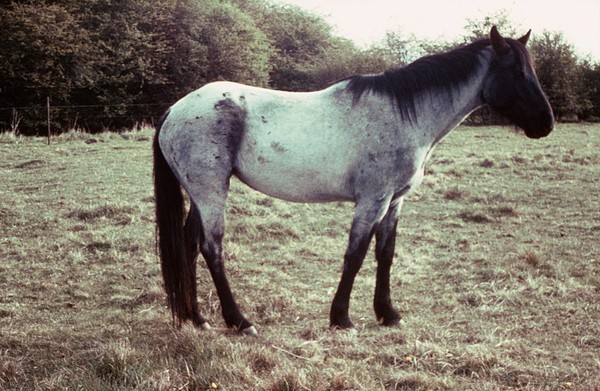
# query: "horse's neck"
(443, 115)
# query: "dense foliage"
(112, 64)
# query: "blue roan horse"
(364, 139)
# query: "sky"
(366, 21)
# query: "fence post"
(48, 111)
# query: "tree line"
(108, 64)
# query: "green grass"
(497, 275)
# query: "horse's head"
(512, 87)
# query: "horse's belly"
(294, 175)
(296, 147)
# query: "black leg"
(193, 238)
(213, 253)
(363, 227)
(353, 259)
(384, 253)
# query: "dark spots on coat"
(225, 104)
(277, 147)
(232, 122)
(262, 160)
(264, 119)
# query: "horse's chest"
(411, 171)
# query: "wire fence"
(81, 106)
(30, 120)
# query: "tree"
(401, 49)
(132, 58)
(125, 60)
(590, 74)
(559, 74)
(204, 41)
(238, 50)
(299, 40)
(480, 28)
(343, 59)
(41, 57)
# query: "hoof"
(250, 331)
(346, 330)
(349, 328)
(395, 322)
(343, 324)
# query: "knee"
(384, 254)
(352, 263)
(211, 246)
(211, 252)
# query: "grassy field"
(497, 275)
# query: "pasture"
(497, 275)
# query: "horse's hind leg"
(211, 206)
(193, 239)
(384, 253)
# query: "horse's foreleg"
(384, 253)
(366, 218)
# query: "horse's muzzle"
(541, 127)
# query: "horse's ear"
(525, 38)
(498, 42)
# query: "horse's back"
(290, 145)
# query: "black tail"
(170, 213)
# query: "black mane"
(444, 71)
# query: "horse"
(364, 139)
